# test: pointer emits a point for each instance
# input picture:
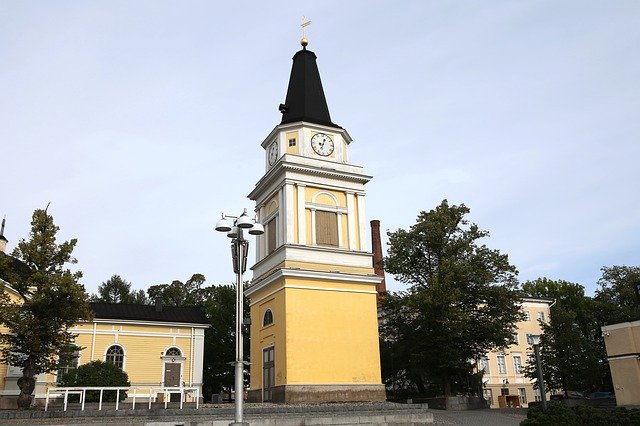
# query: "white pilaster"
(281, 219)
(313, 226)
(364, 246)
(339, 217)
(351, 221)
(302, 217)
(288, 212)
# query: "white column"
(288, 212)
(302, 217)
(339, 217)
(281, 219)
(313, 226)
(364, 241)
(351, 221)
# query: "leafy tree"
(462, 301)
(117, 290)
(178, 293)
(51, 301)
(572, 348)
(97, 374)
(616, 296)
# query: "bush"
(559, 414)
(94, 374)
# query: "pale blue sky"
(141, 121)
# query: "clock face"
(273, 153)
(322, 144)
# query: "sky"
(141, 122)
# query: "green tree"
(117, 290)
(616, 295)
(97, 374)
(572, 348)
(462, 301)
(178, 293)
(51, 301)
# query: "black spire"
(305, 97)
(2, 237)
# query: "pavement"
(261, 415)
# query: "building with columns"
(314, 329)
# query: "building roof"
(305, 96)
(125, 311)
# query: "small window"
(488, 395)
(173, 352)
(292, 142)
(514, 339)
(502, 364)
(541, 316)
(115, 355)
(268, 318)
(484, 365)
(522, 393)
(529, 339)
(517, 364)
(68, 365)
(527, 316)
(271, 235)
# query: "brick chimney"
(376, 245)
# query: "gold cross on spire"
(304, 42)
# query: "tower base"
(294, 394)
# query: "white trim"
(339, 225)
(319, 275)
(351, 220)
(93, 341)
(116, 321)
(620, 325)
(364, 241)
(313, 226)
(133, 333)
(631, 356)
(342, 290)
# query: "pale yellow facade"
(148, 349)
(622, 342)
(504, 370)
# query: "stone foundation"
(293, 394)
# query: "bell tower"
(314, 325)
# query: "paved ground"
(494, 417)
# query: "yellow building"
(623, 351)
(504, 370)
(314, 330)
(156, 346)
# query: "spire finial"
(303, 41)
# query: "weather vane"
(304, 42)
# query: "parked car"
(567, 395)
(601, 395)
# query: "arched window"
(268, 318)
(115, 355)
(173, 352)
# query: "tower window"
(268, 318)
(292, 142)
(271, 235)
(326, 228)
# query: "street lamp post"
(239, 250)
(536, 349)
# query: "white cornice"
(308, 274)
(300, 124)
(290, 164)
(145, 322)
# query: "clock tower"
(314, 324)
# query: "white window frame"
(502, 364)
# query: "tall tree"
(117, 290)
(462, 301)
(572, 348)
(178, 293)
(51, 301)
(616, 295)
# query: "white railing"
(149, 393)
